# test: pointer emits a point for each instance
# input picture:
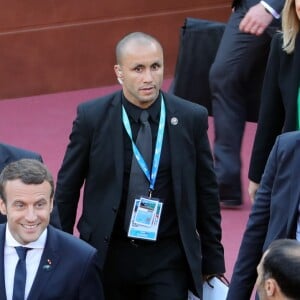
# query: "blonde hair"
(290, 26)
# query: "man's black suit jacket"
(95, 157)
(68, 269)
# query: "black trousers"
(236, 78)
(145, 271)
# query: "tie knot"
(144, 116)
(22, 251)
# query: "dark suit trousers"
(147, 270)
(236, 78)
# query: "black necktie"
(138, 182)
(20, 274)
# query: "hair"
(282, 263)
(29, 171)
(290, 26)
(140, 37)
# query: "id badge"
(145, 219)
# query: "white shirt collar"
(38, 244)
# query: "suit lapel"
(294, 192)
(116, 134)
(175, 131)
(48, 264)
(2, 280)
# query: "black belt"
(133, 242)
(138, 242)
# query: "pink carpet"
(43, 123)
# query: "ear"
(118, 70)
(270, 287)
(51, 204)
(2, 207)
(119, 73)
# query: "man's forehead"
(17, 185)
(140, 42)
(137, 47)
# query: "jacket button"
(114, 209)
(106, 239)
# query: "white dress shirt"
(11, 258)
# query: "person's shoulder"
(92, 104)
(286, 143)
(289, 138)
(17, 152)
(95, 110)
(69, 242)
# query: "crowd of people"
(150, 224)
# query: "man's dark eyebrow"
(138, 66)
(157, 63)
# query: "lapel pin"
(48, 266)
(174, 121)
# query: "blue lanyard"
(158, 146)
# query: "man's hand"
(256, 20)
(252, 188)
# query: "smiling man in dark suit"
(58, 265)
(8, 154)
(144, 258)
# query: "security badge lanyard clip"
(146, 211)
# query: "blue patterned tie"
(20, 274)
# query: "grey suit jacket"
(274, 213)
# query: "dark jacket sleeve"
(251, 249)
(73, 170)
(271, 114)
(277, 5)
(209, 216)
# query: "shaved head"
(134, 38)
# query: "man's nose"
(148, 76)
(31, 214)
